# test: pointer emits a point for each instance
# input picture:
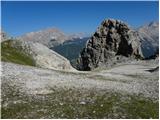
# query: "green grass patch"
(15, 55)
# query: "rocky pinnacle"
(112, 40)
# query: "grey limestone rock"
(112, 39)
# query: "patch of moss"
(15, 55)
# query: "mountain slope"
(149, 35)
(71, 49)
(39, 55)
(15, 55)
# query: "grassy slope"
(11, 54)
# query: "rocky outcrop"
(112, 41)
(43, 56)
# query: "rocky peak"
(113, 38)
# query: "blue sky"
(72, 17)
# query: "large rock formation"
(112, 41)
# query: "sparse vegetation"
(15, 55)
(74, 103)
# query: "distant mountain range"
(70, 46)
(50, 37)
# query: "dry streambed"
(29, 92)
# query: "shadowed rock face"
(113, 38)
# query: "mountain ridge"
(50, 37)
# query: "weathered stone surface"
(113, 38)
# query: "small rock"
(61, 104)
(82, 103)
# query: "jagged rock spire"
(112, 38)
